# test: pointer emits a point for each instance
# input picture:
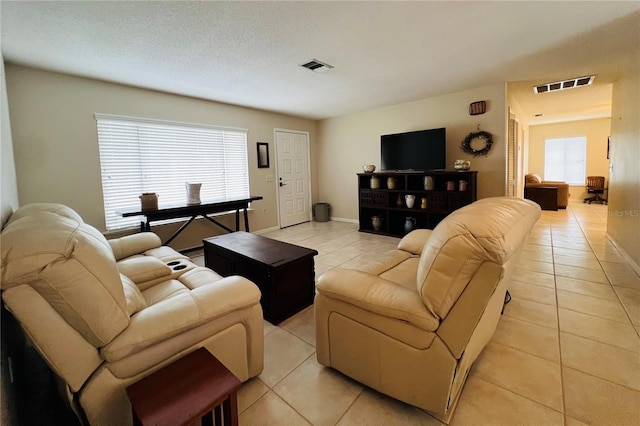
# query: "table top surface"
(232, 203)
(190, 385)
(265, 250)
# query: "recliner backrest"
(489, 230)
(71, 265)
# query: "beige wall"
(623, 224)
(347, 142)
(516, 111)
(56, 148)
(597, 131)
(9, 189)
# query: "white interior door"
(294, 193)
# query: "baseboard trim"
(344, 219)
(626, 256)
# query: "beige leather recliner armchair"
(104, 314)
(412, 323)
(532, 180)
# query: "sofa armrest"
(178, 314)
(414, 241)
(134, 244)
(377, 295)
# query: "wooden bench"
(194, 387)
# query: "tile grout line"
(562, 384)
(624, 307)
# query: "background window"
(141, 155)
(565, 160)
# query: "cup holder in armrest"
(179, 267)
(174, 263)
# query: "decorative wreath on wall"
(486, 137)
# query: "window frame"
(573, 172)
(148, 155)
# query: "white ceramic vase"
(193, 193)
(409, 200)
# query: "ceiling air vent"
(317, 66)
(563, 85)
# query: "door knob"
(280, 182)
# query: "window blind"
(565, 159)
(142, 155)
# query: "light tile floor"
(566, 351)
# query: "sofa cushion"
(71, 265)
(133, 295)
(460, 244)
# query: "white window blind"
(565, 160)
(142, 155)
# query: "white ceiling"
(384, 53)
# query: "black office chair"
(595, 186)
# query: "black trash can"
(321, 212)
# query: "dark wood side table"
(191, 388)
(284, 272)
(545, 196)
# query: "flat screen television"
(414, 151)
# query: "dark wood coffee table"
(284, 272)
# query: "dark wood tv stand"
(383, 201)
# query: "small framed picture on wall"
(263, 155)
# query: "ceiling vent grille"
(317, 66)
(563, 85)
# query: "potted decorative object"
(376, 222)
(410, 199)
(462, 165)
(193, 193)
(149, 201)
(375, 182)
(429, 183)
(369, 168)
(409, 223)
(391, 183)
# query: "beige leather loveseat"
(532, 180)
(411, 324)
(104, 314)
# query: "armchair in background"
(533, 180)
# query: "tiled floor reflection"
(567, 350)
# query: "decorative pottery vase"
(375, 182)
(429, 184)
(410, 199)
(391, 183)
(451, 185)
(423, 203)
(376, 222)
(149, 201)
(462, 165)
(193, 193)
(409, 224)
(399, 202)
(462, 185)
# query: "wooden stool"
(185, 391)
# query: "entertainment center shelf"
(437, 193)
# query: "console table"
(184, 210)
